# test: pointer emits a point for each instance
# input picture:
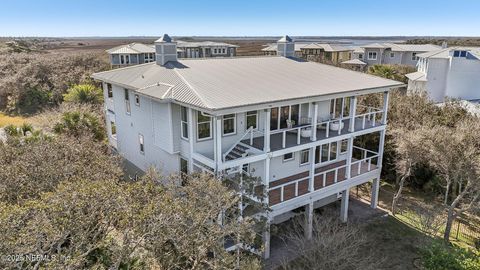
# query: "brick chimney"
(165, 50)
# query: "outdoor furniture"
(306, 133)
(336, 126)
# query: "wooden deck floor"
(289, 190)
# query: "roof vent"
(165, 50)
(286, 47)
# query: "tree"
(409, 152)
(455, 154)
(77, 124)
(392, 72)
(84, 93)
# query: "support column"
(386, 97)
(266, 180)
(309, 220)
(344, 208)
(266, 241)
(314, 121)
(191, 137)
(349, 158)
(218, 141)
(375, 190)
(311, 158)
(266, 138)
(381, 146)
(353, 111)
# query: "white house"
(292, 123)
(138, 53)
(391, 53)
(452, 72)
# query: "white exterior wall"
(463, 79)
(436, 74)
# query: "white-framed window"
(392, 55)
(326, 152)
(414, 56)
(109, 90)
(288, 157)
(280, 117)
(252, 119)
(304, 157)
(149, 57)
(184, 122)
(372, 55)
(113, 129)
(183, 166)
(360, 56)
(124, 59)
(137, 100)
(215, 50)
(127, 102)
(459, 53)
(141, 143)
(229, 124)
(223, 50)
(204, 126)
(344, 146)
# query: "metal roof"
(194, 44)
(417, 76)
(216, 84)
(285, 38)
(164, 38)
(445, 53)
(402, 47)
(132, 48)
(354, 62)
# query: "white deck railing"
(250, 133)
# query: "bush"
(84, 93)
(439, 256)
(77, 124)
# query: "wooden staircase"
(240, 150)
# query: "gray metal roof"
(403, 47)
(216, 84)
(164, 38)
(354, 62)
(445, 53)
(194, 44)
(132, 48)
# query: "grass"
(6, 120)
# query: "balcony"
(298, 185)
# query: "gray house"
(203, 49)
(293, 124)
(131, 54)
(391, 53)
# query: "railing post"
(327, 130)
(363, 121)
(349, 157)
(299, 130)
(284, 139)
(353, 111)
(340, 122)
(251, 135)
(386, 95)
(314, 122)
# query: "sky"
(71, 18)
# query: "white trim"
(308, 157)
(372, 58)
(234, 125)
(256, 119)
(289, 159)
(210, 128)
(184, 122)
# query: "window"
(414, 56)
(183, 166)
(459, 53)
(279, 116)
(214, 50)
(372, 55)
(392, 55)
(326, 152)
(127, 102)
(252, 118)
(304, 156)
(124, 59)
(204, 126)
(274, 119)
(344, 146)
(284, 113)
(113, 129)
(109, 90)
(184, 123)
(360, 56)
(223, 50)
(333, 151)
(288, 157)
(141, 144)
(137, 100)
(229, 121)
(149, 57)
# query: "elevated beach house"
(294, 124)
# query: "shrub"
(77, 124)
(439, 256)
(84, 93)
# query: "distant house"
(131, 54)
(451, 72)
(316, 52)
(391, 53)
(293, 124)
(138, 53)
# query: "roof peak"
(164, 38)
(285, 38)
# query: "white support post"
(349, 157)
(386, 97)
(266, 138)
(344, 207)
(375, 191)
(191, 115)
(266, 180)
(380, 148)
(266, 241)
(218, 141)
(309, 220)
(353, 110)
(311, 186)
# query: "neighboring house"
(202, 49)
(292, 123)
(138, 53)
(131, 54)
(332, 54)
(451, 72)
(391, 53)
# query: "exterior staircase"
(238, 151)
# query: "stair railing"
(249, 131)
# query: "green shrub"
(77, 123)
(439, 256)
(12, 130)
(84, 93)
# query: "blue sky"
(239, 18)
